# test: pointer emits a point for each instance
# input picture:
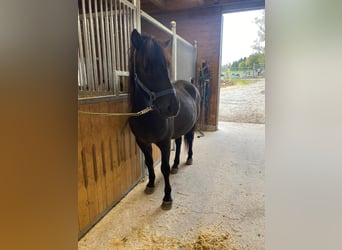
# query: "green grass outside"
(238, 82)
(242, 82)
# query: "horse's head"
(149, 74)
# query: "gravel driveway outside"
(245, 104)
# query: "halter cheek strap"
(152, 95)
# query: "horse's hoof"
(188, 162)
(166, 205)
(149, 190)
(174, 170)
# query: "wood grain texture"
(108, 160)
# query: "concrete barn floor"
(224, 187)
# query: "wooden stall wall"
(109, 161)
(203, 25)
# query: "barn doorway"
(242, 71)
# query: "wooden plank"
(128, 158)
(91, 189)
(113, 165)
(105, 151)
(88, 173)
(100, 134)
(110, 158)
(116, 170)
(100, 189)
(123, 164)
(82, 197)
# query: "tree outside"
(252, 66)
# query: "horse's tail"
(189, 137)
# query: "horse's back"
(189, 111)
(187, 87)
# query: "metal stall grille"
(185, 57)
(186, 61)
(104, 28)
(183, 53)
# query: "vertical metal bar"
(81, 59)
(90, 58)
(130, 28)
(105, 71)
(125, 50)
(137, 15)
(121, 36)
(112, 12)
(85, 40)
(79, 74)
(174, 52)
(117, 39)
(131, 18)
(93, 47)
(110, 67)
(105, 48)
(180, 63)
(99, 47)
(195, 61)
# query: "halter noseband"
(152, 95)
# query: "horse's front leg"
(147, 150)
(164, 147)
(178, 142)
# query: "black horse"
(172, 109)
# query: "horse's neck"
(138, 104)
(136, 98)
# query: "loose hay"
(211, 238)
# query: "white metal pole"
(174, 51)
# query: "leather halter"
(151, 94)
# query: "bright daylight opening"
(242, 81)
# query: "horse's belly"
(187, 116)
(183, 123)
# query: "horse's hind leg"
(189, 138)
(147, 150)
(178, 142)
(165, 169)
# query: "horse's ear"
(136, 38)
(166, 43)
